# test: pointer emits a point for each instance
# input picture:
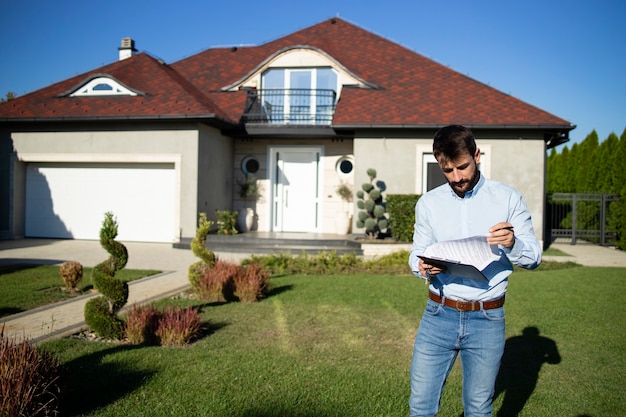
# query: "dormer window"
(102, 86)
(297, 85)
(299, 95)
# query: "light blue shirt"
(442, 215)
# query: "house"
(158, 143)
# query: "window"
(300, 95)
(344, 166)
(102, 86)
(430, 175)
(249, 165)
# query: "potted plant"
(343, 222)
(248, 190)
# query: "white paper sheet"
(473, 251)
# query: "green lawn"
(24, 287)
(322, 346)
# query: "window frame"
(424, 155)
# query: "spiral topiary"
(101, 312)
(198, 247)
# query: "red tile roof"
(412, 90)
(163, 93)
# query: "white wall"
(519, 163)
(179, 146)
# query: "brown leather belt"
(462, 305)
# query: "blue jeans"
(443, 333)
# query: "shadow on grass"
(279, 290)
(523, 358)
(207, 329)
(107, 381)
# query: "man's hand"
(426, 270)
(502, 234)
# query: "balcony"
(296, 106)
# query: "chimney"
(127, 49)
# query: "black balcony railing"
(290, 106)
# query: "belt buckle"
(460, 305)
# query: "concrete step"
(248, 243)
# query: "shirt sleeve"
(422, 236)
(526, 251)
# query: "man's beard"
(465, 185)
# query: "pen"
(505, 228)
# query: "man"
(465, 315)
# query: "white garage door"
(69, 200)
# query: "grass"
(331, 345)
(24, 287)
(554, 252)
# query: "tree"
(587, 168)
(551, 166)
(561, 169)
(606, 160)
(9, 96)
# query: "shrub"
(216, 284)
(277, 263)
(198, 247)
(325, 263)
(178, 326)
(303, 263)
(98, 317)
(28, 379)
(251, 283)
(401, 208)
(142, 323)
(72, 274)
(101, 312)
(226, 222)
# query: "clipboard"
(455, 268)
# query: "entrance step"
(254, 243)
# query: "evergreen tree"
(618, 209)
(551, 171)
(618, 178)
(587, 168)
(607, 163)
(561, 172)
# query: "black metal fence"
(588, 217)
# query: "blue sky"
(567, 57)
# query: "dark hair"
(453, 141)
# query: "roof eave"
(566, 127)
(175, 117)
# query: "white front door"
(295, 188)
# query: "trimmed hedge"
(401, 209)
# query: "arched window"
(102, 86)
